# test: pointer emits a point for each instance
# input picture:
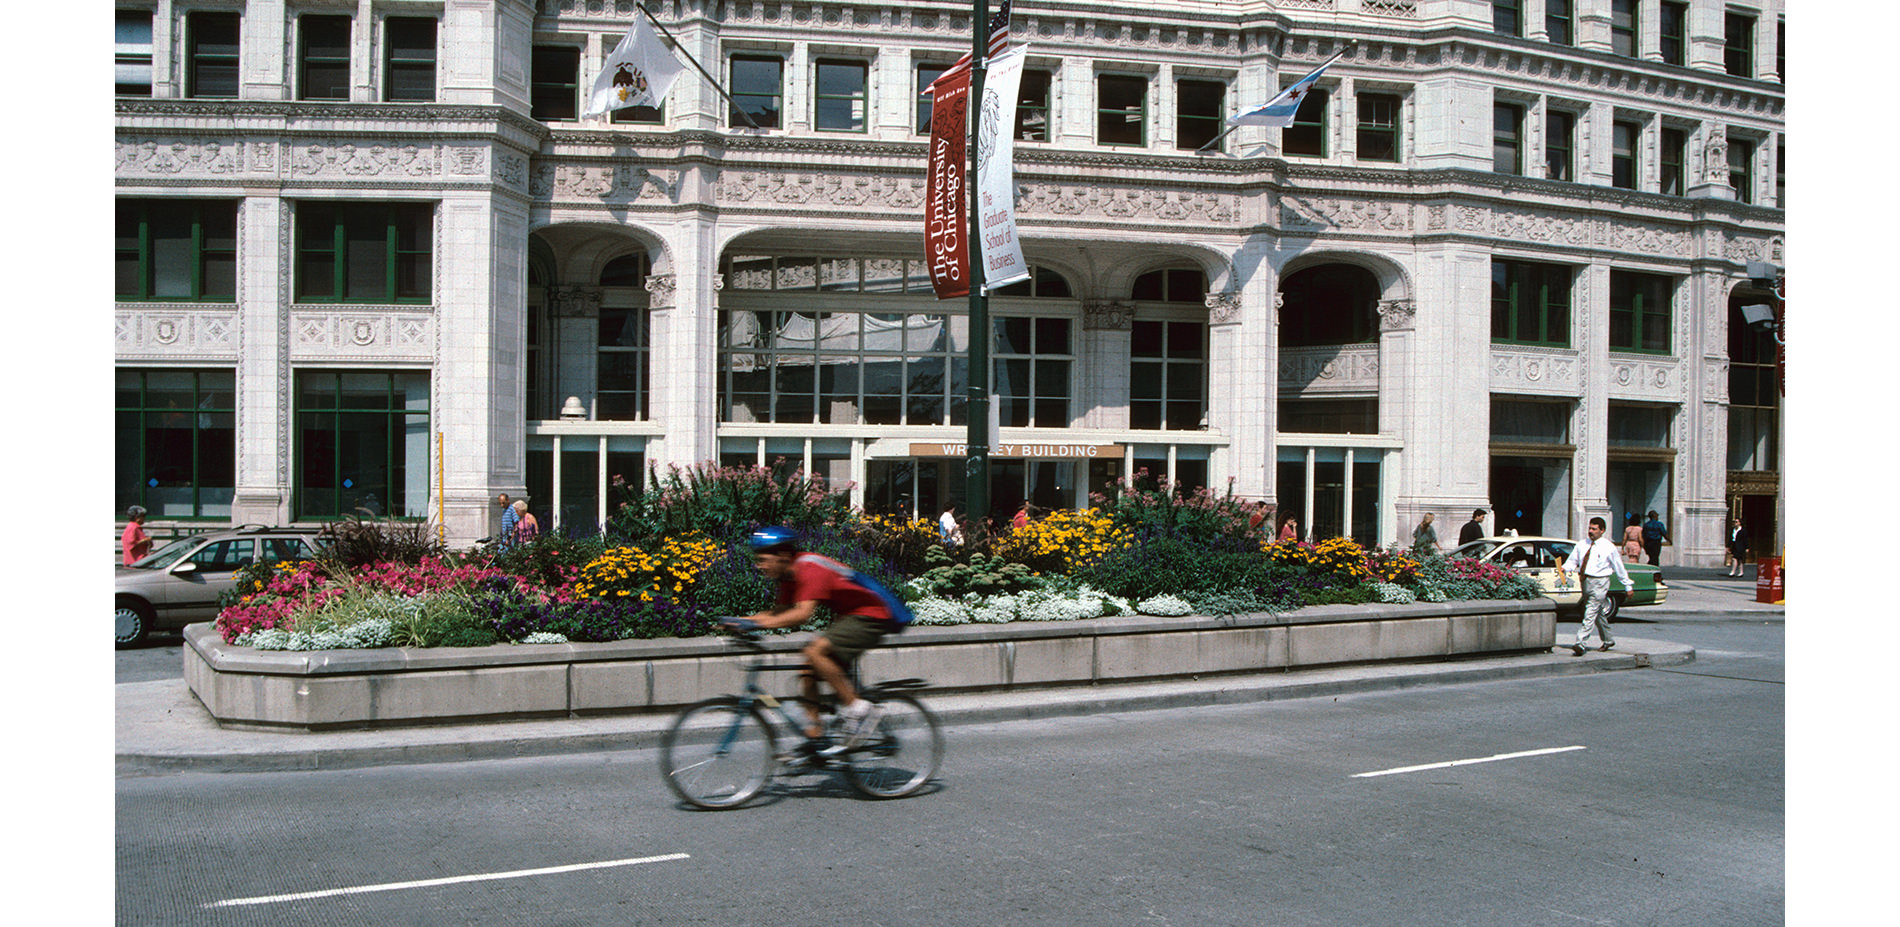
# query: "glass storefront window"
(362, 444)
(175, 449)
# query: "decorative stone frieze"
(663, 291)
(1107, 315)
(362, 334)
(1396, 315)
(1652, 379)
(148, 157)
(349, 159)
(1715, 380)
(574, 302)
(1314, 213)
(1530, 371)
(159, 330)
(1223, 308)
(1351, 368)
(826, 192)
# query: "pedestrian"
(952, 533)
(1473, 529)
(1737, 546)
(1259, 516)
(1655, 535)
(1425, 539)
(508, 518)
(1290, 529)
(1633, 541)
(1594, 561)
(1021, 520)
(526, 527)
(135, 543)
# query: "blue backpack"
(901, 615)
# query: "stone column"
(685, 316)
(478, 389)
(1242, 367)
(1397, 382)
(1589, 424)
(264, 387)
(1102, 365)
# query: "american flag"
(999, 38)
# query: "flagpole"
(1216, 139)
(696, 66)
(977, 465)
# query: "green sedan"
(1539, 559)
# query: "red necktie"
(1586, 558)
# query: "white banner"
(996, 174)
(638, 73)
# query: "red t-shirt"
(818, 577)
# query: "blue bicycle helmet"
(771, 538)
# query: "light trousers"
(1596, 611)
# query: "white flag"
(638, 73)
(1279, 111)
(996, 173)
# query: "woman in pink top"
(135, 542)
(1290, 529)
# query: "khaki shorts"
(851, 636)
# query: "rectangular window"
(757, 91)
(1623, 142)
(1507, 138)
(622, 379)
(639, 115)
(323, 57)
(554, 94)
(927, 74)
(1530, 303)
(1625, 19)
(1781, 173)
(1781, 51)
(840, 367)
(1507, 17)
(1031, 370)
(211, 55)
(1167, 375)
(1741, 169)
(1560, 131)
(1379, 127)
(1738, 44)
(1673, 156)
(132, 53)
(1675, 33)
(1032, 106)
(1307, 134)
(364, 252)
(840, 96)
(1558, 22)
(1329, 416)
(1198, 112)
(409, 59)
(1640, 311)
(184, 250)
(1121, 110)
(362, 444)
(175, 447)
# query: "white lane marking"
(451, 880)
(1482, 759)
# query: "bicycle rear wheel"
(718, 754)
(902, 754)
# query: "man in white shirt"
(1594, 561)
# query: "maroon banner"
(947, 207)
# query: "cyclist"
(862, 619)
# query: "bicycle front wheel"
(902, 754)
(718, 754)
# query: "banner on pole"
(947, 199)
(638, 73)
(996, 172)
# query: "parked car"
(180, 582)
(1539, 558)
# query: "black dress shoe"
(1576, 650)
(1606, 646)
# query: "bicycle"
(721, 752)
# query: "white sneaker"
(860, 719)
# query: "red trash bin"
(1769, 580)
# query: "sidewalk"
(161, 727)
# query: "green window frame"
(554, 90)
(349, 252)
(1379, 134)
(1307, 135)
(1032, 358)
(1674, 33)
(1167, 375)
(175, 451)
(323, 57)
(839, 96)
(1507, 17)
(176, 250)
(1559, 22)
(1642, 312)
(1626, 19)
(1121, 110)
(623, 374)
(132, 53)
(1507, 138)
(362, 444)
(1624, 138)
(1171, 285)
(409, 59)
(1560, 133)
(1034, 118)
(1738, 44)
(927, 74)
(1673, 158)
(1741, 169)
(211, 54)
(1198, 112)
(1530, 303)
(758, 90)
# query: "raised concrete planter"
(340, 689)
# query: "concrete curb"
(163, 729)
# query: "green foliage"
(1160, 510)
(982, 574)
(724, 502)
(355, 542)
(549, 561)
(1173, 565)
(438, 619)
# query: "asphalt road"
(1661, 803)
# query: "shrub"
(981, 575)
(1160, 509)
(550, 561)
(356, 542)
(1443, 579)
(720, 502)
(1174, 566)
(666, 570)
(902, 543)
(1064, 541)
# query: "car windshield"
(167, 555)
(1477, 549)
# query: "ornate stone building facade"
(371, 260)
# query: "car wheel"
(1612, 604)
(131, 623)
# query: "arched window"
(1043, 283)
(626, 270)
(1329, 304)
(1174, 285)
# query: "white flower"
(545, 637)
(1164, 604)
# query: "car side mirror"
(188, 566)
